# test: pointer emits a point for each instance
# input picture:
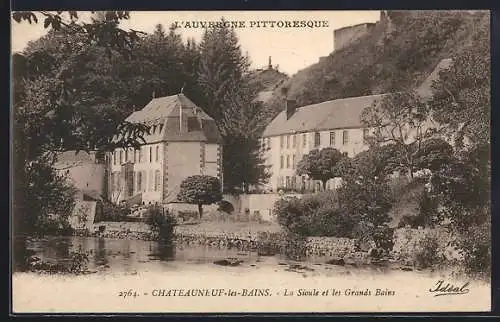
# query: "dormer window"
(193, 124)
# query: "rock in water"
(228, 262)
(336, 261)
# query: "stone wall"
(123, 230)
(262, 203)
(408, 243)
(346, 36)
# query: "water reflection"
(132, 256)
(164, 251)
(100, 257)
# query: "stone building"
(297, 130)
(183, 141)
(346, 36)
(85, 171)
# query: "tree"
(200, 190)
(461, 102)
(228, 97)
(51, 108)
(403, 121)
(462, 97)
(245, 168)
(320, 164)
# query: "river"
(146, 267)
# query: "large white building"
(183, 141)
(297, 130)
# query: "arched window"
(157, 153)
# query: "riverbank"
(349, 290)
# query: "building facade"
(85, 171)
(295, 131)
(183, 141)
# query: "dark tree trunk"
(200, 210)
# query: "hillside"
(266, 81)
(401, 50)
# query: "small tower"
(269, 64)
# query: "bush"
(226, 206)
(314, 215)
(426, 254)
(161, 222)
(475, 247)
(113, 212)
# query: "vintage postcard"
(251, 161)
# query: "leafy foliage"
(228, 97)
(161, 222)
(47, 194)
(461, 96)
(402, 121)
(320, 164)
(200, 190)
(396, 56)
(314, 215)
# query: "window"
(157, 180)
(332, 138)
(294, 141)
(345, 154)
(126, 154)
(144, 180)
(157, 152)
(317, 139)
(365, 135)
(140, 154)
(193, 124)
(139, 181)
(114, 157)
(294, 182)
(151, 180)
(121, 157)
(287, 182)
(150, 154)
(304, 140)
(268, 143)
(281, 162)
(288, 141)
(293, 161)
(287, 161)
(281, 141)
(345, 137)
(280, 181)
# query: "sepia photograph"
(250, 161)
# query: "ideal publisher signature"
(442, 288)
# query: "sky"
(291, 48)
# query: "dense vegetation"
(398, 55)
(444, 138)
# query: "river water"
(146, 267)
(131, 256)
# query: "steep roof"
(336, 114)
(339, 113)
(163, 114)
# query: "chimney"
(290, 106)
